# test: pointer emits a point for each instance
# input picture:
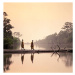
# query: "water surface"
(38, 63)
(44, 62)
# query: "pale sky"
(37, 20)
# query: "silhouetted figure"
(32, 57)
(32, 45)
(22, 45)
(22, 58)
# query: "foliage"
(16, 42)
(9, 40)
(17, 34)
(7, 26)
(63, 37)
(68, 27)
(8, 43)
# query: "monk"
(32, 45)
(22, 45)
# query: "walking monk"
(22, 45)
(32, 45)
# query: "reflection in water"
(32, 57)
(57, 54)
(67, 58)
(7, 62)
(49, 63)
(22, 58)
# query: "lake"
(38, 63)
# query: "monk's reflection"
(32, 57)
(22, 58)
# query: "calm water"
(38, 63)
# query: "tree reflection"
(32, 57)
(67, 58)
(7, 62)
(56, 54)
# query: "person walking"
(32, 45)
(22, 45)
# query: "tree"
(68, 27)
(17, 34)
(65, 36)
(8, 38)
(7, 26)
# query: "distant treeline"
(9, 40)
(65, 36)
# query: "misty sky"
(37, 20)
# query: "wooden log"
(35, 51)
